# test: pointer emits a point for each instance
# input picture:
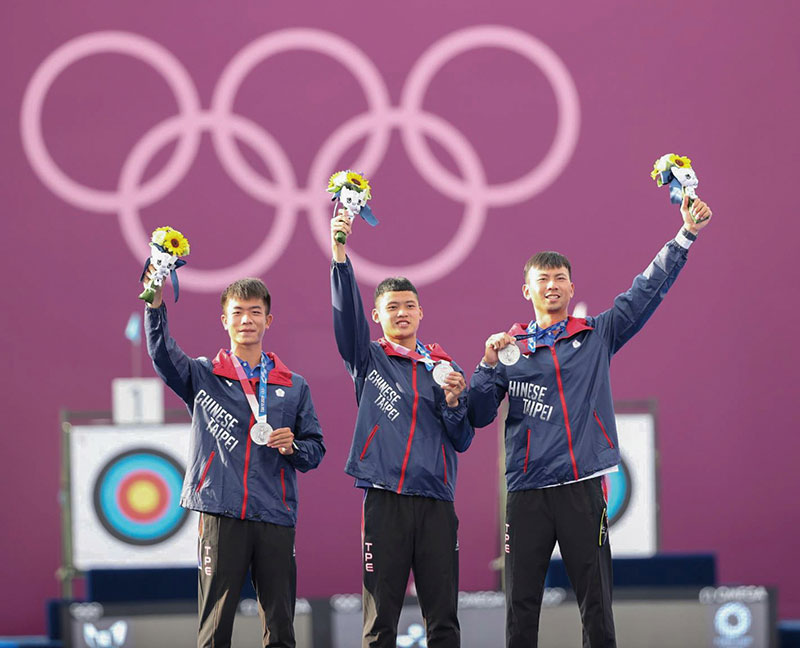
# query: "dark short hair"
(549, 260)
(245, 289)
(394, 284)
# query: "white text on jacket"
(220, 421)
(387, 397)
(532, 399)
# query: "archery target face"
(125, 492)
(137, 496)
(619, 492)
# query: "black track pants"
(404, 532)
(226, 548)
(575, 515)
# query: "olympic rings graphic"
(283, 191)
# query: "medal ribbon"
(420, 355)
(531, 336)
(534, 334)
(258, 407)
(514, 332)
(546, 336)
(429, 363)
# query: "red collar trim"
(437, 352)
(279, 375)
(574, 325)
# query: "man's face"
(246, 321)
(550, 290)
(398, 313)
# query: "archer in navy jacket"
(560, 425)
(406, 437)
(228, 474)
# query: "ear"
(571, 290)
(224, 319)
(375, 317)
(268, 321)
(526, 293)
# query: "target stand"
(120, 495)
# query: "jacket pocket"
(444, 460)
(527, 452)
(369, 440)
(283, 488)
(278, 410)
(205, 471)
(602, 427)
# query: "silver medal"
(441, 371)
(260, 432)
(509, 355)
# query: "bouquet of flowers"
(676, 172)
(352, 191)
(167, 245)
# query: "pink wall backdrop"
(489, 132)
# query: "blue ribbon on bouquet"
(675, 187)
(172, 275)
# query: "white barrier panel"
(723, 617)
(164, 623)
(633, 494)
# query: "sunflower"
(359, 182)
(666, 162)
(680, 161)
(173, 241)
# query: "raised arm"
(169, 360)
(633, 308)
(350, 325)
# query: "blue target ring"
(619, 492)
(137, 497)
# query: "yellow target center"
(143, 496)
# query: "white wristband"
(685, 238)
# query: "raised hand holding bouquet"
(167, 245)
(352, 191)
(676, 171)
